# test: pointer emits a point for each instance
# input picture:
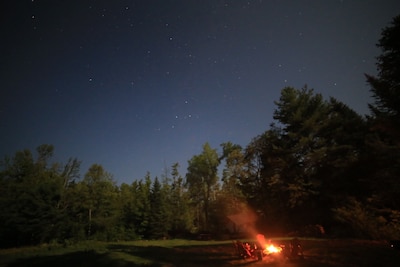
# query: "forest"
(319, 163)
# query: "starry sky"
(139, 85)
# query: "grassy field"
(168, 253)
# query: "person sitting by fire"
(295, 248)
(244, 250)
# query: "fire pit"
(292, 251)
(267, 248)
(263, 248)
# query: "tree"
(232, 196)
(31, 192)
(129, 210)
(386, 87)
(182, 216)
(229, 198)
(201, 178)
(265, 187)
(384, 139)
(158, 222)
(70, 171)
(301, 114)
(143, 204)
(306, 163)
(377, 213)
(100, 196)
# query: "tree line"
(319, 163)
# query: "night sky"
(139, 85)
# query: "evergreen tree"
(306, 161)
(182, 216)
(129, 210)
(386, 87)
(158, 224)
(384, 139)
(377, 214)
(143, 205)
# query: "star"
(165, 68)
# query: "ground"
(183, 253)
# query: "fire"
(269, 249)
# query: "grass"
(186, 253)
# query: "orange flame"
(272, 249)
(269, 247)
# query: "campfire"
(291, 251)
(263, 247)
(268, 247)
